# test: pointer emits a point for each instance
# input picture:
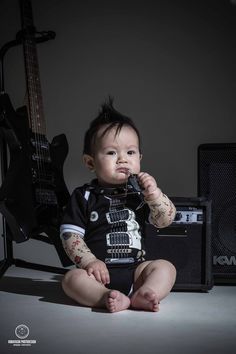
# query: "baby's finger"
(90, 270)
(108, 278)
(105, 277)
(144, 178)
(97, 275)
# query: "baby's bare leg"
(153, 281)
(86, 290)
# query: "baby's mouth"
(124, 170)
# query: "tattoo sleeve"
(76, 249)
(162, 211)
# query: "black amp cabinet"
(217, 182)
(186, 243)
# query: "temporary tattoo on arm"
(76, 249)
(162, 211)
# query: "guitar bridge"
(45, 196)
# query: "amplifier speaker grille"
(217, 182)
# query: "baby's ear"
(89, 162)
(140, 157)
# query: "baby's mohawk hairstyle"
(108, 115)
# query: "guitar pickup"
(118, 239)
(43, 158)
(41, 177)
(39, 144)
(119, 215)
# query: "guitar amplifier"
(186, 243)
(216, 181)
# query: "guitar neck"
(34, 91)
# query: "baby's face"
(116, 155)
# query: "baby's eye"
(111, 152)
(131, 152)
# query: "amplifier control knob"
(178, 216)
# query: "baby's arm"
(161, 207)
(80, 254)
(76, 249)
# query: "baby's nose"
(121, 158)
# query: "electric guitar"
(33, 192)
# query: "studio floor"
(188, 322)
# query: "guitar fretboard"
(35, 106)
(42, 176)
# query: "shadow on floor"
(47, 290)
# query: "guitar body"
(31, 199)
(33, 193)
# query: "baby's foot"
(117, 301)
(145, 299)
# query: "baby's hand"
(150, 191)
(99, 270)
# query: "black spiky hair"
(107, 115)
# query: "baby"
(103, 229)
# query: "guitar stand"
(43, 37)
(9, 260)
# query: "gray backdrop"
(170, 64)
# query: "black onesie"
(112, 223)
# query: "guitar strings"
(28, 44)
(36, 125)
